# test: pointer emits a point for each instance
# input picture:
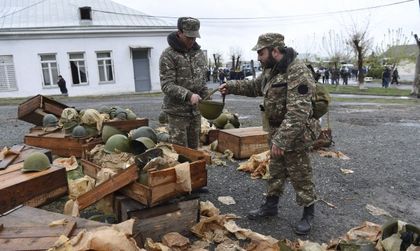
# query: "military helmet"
(130, 114)
(221, 121)
(163, 118)
(229, 126)
(49, 120)
(105, 109)
(163, 137)
(144, 131)
(121, 114)
(68, 126)
(79, 132)
(210, 109)
(108, 131)
(36, 162)
(140, 145)
(117, 143)
(92, 131)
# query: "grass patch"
(378, 100)
(340, 89)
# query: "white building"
(98, 46)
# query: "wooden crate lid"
(34, 109)
(245, 132)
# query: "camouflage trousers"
(184, 131)
(296, 166)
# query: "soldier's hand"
(195, 98)
(276, 152)
(223, 89)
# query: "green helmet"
(117, 143)
(163, 137)
(108, 131)
(210, 109)
(91, 130)
(36, 162)
(144, 131)
(49, 120)
(104, 109)
(130, 114)
(163, 118)
(221, 121)
(140, 145)
(229, 126)
(79, 132)
(235, 121)
(68, 126)
(121, 114)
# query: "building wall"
(28, 65)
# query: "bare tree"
(335, 47)
(361, 43)
(235, 53)
(416, 83)
(392, 46)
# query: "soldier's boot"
(269, 208)
(304, 225)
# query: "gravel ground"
(381, 140)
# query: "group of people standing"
(287, 86)
(335, 74)
(390, 76)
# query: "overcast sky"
(300, 23)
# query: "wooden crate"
(162, 183)
(34, 109)
(175, 216)
(123, 178)
(17, 187)
(59, 143)
(243, 142)
(26, 228)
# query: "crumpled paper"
(333, 154)
(80, 186)
(176, 241)
(114, 161)
(69, 163)
(183, 177)
(109, 238)
(257, 165)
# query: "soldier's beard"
(270, 63)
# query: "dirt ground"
(381, 140)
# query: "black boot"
(304, 225)
(269, 208)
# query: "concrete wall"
(28, 66)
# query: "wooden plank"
(70, 227)
(27, 150)
(16, 149)
(38, 243)
(12, 232)
(115, 183)
(90, 168)
(46, 198)
(22, 187)
(179, 217)
(192, 154)
(33, 109)
(213, 135)
(138, 192)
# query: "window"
(7, 73)
(78, 68)
(49, 69)
(105, 67)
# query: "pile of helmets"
(118, 113)
(142, 139)
(69, 120)
(36, 162)
(226, 120)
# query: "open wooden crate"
(34, 109)
(162, 183)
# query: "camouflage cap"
(269, 39)
(189, 26)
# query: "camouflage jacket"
(287, 102)
(182, 73)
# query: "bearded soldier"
(287, 86)
(183, 69)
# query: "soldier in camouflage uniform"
(287, 86)
(183, 69)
